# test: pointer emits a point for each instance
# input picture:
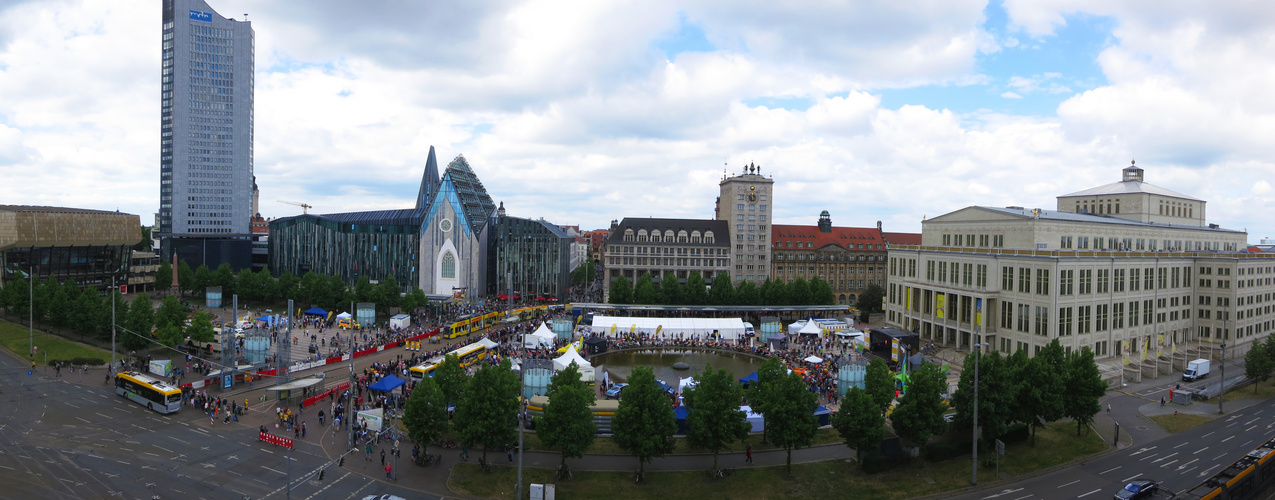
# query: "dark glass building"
(537, 253)
(349, 245)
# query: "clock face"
(445, 225)
(752, 197)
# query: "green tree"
(203, 280)
(268, 287)
(425, 414)
(171, 312)
(644, 291)
(1083, 389)
(164, 277)
(185, 277)
(671, 290)
(747, 294)
(364, 290)
(387, 294)
(1258, 364)
(224, 277)
(878, 382)
(452, 379)
(715, 420)
(621, 291)
(870, 299)
(86, 312)
(799, 292)
(821, 292)
(584, 273)
(246, 285)
(140, 320)
(145, 244)
(338, 294)
(488, 411)
(696, 292)
(43, 289)
(567, 423)
(16, 293)
(723, 291)
(997, 395)
(1040, 387)
(201, 328)
(311, 288)
(170, 335)
(774, 292)
(859, 422)
(60, 304)
(100, 314)
(919, 414)
(790, 414)
(288, 286)
(762, 392)
(644, 423)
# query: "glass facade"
(87, 265)
(537, 253)
(330, 246)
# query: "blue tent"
(267, 319)
(316, 311)
(387, 384)
(750, 378)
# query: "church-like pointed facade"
(451, 233)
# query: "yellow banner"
(940, 303)
(907, 300)
(978, 312)
(613, 328)
(894, 349)
(658, 328)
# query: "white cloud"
(570, 112)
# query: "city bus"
(149, 391)
(468, 355)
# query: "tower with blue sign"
(206, 135)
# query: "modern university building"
(1129, 269)
(206, 134)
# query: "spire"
(429, 182)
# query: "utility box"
(1183, 397)
(542, 491)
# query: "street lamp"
(1221, 391)
(979, 346)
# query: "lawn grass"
(1056, 443)
(1179, 423)
(1259, 390)
(604, 445)
(14, 338)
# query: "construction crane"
(305, 209)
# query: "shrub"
(876, 462)
(1017, 433)
(938, 452)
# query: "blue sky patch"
(687, 38)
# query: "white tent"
(486, 342)
(344, 315)
(811, 328)
(726, 328)
(814, 359)
(561, 362)
(542, 337)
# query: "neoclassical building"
(1129, 270)
(848, 258)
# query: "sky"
(583, 112)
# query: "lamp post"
(1221, 388)
(979, 354)
(31, 312)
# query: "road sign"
(1000, 447)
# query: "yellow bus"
(468, 355)
(149, 391)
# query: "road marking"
(1250, 428)
(1180, 467)
(102, 415)
(1219, 456)
(1164, 457)
(1087, 494)
(1003, 492)
(1251, 421)
(1061, 486)
(1166, 464)
(1206, 471)
(1109, 470)
(123, 462)
(178, 440)
(163, 448)
(1127, 479)
(7, 467)
(1181, 445)
(1149, 456)
(272, 470)
(84, 420)
(1197, 452)
(1228, 439)
(1207, 435)
(1142, 451)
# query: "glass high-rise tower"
(206, 114)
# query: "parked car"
(1142, 488)
(614, 391)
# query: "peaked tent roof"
(811, 327)
(387, 384)
(429, 181)
(571, 355)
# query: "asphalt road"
(68, 438)
(1180, 460)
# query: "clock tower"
(745, 204)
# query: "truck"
(1195, 370)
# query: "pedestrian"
(748, 452)
(1108, 408)
(388, 469)
(302, 430)
(511, 454)
(382, 456)
(367, 450)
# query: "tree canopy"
(644, 424)
(489, 408)
(919, 414)
(567, 423)
(425, 414)
(859, 422)
(715, 420)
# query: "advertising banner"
(373, 419)
(940, 305)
